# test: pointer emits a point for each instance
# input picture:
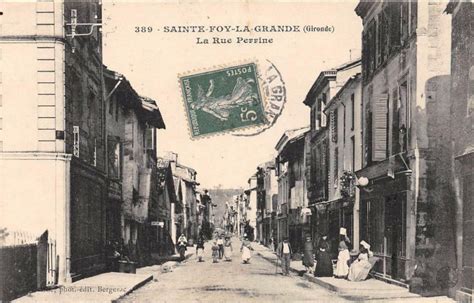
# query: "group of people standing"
(322, 265)
(221, 248)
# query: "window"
(368, 138)
(94, 153)
(336, 167)
(371, 45)
(382, 26)
(404, 21)
(322, 107)
(76, 143)
(353, 153)
(344, 126)
(352, 112)
(116, 111)
(379, 128)
(312, 117)
(333, 122)
(111, 106)
(403, 117)
(393, 9)
(413, 16)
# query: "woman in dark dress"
(308, 261)
(324, 264)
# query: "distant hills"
(219, 197)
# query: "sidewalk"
(371, 289)
(106, 287)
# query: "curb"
(339, 291)
(135, 287)
(149, 278)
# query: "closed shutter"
(333, 125)
(365, 56)
(149, 138)
(380, 128)
(394, 13)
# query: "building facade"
(60, 110)
(327, 210)
(292, 193)
(344, 132)
(405, 85)
(462, 138)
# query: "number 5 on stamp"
(223, 100)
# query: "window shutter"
(149, 138)
(379, 125)
(365, 55)
(323, 116)
(333, 125)
(394, 13)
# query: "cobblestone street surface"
(229, 282)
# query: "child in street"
(215, 252)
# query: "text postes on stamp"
(223, 100)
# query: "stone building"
(344, 128)
(166, 203)
(52, 130)
(405, 97)
(327, 212)
(292, 186)
(132, 123)
(462, 138)
(185, 179)
(267, 195)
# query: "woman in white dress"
(228, 249)
(361, 267)
(343, 257)
(245, 249)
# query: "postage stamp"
(223, 100)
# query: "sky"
(152, 62)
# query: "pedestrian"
(359, 270)
(200, 249)
(323, 259)
(228, 249)
(220, 243)
(284, 253)
(215, 252)
(343, 258)
(308, 261)
(245, 249)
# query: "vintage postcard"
(236, 151)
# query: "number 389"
(143, 29)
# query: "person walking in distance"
(228, 249)
(220, 243)
(200, 249)
(245, 249)
(308, 260)
(284, 253)
(215, 252)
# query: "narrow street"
(229, 282)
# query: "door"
(393, 235)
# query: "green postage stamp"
(223, 100)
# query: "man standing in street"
(220, 243)
(284, 253)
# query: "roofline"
(322, 79)
(363, 7)
(151, 114)
(334, 99)
(451, 7)
(285, 135)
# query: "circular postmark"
(273, 91)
